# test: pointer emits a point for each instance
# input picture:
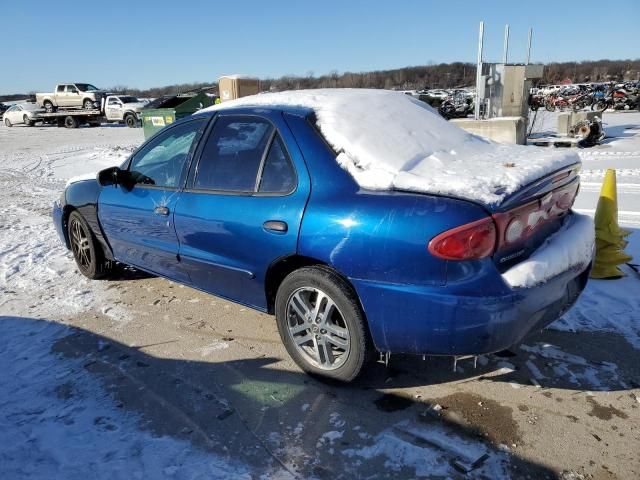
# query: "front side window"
(160, 162)
(233, 153)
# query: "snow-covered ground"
(611, 305)
(51, 431)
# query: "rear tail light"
(469, 242)
(504, 230)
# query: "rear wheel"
(27, 122)
(7, 122)
(322, 325)
(70, 122)
(48, 106)
(549, 106)
(86, 251)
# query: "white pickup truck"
(71, 95)
(123, 108)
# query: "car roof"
(253, 109)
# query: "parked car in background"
(71, 95)
(22, 113)
(416, 237)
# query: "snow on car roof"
(388, 140)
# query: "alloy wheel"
(80, 244)
(318, 329)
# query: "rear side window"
(233, 153)
(278, 175)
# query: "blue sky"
(153, 43)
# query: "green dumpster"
(166, 110)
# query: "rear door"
(60, 96)
(138, 222)
(243, 205)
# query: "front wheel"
(130, 120)
(550, 106)
(88, 104)
(86, 251)
(322, 325)
(27, 122)
(7, 122)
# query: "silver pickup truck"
(71, 95)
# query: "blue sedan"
(248, 203)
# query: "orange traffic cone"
(610, 242)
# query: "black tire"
(7, 122)
(48, 106)
(130, 120)
(549, 106)
(70, 122)
(87, 104)
(599, 106)
(347, 315)
(27, 122)
(85, 248)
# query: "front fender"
(83, 197)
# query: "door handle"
(276, 226)
(161, 211)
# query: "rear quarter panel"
(375, 237)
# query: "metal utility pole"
(529, 46)
(479, 71)
(505, 53)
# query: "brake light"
(468, 242)
(503, 230)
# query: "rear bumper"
(437, 321)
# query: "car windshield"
(129, 100)
(86, 87)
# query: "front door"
(242, 207)
(113, 109)
(138, 220)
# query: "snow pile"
(388, 140)
(571, 246)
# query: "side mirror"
(116, 176)
(109, 176)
